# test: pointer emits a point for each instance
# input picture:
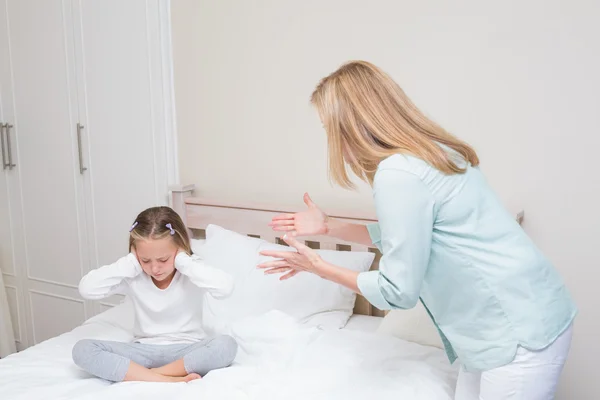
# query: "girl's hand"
(313, 221)
(290, 262)
(178, 258)
(181, 251)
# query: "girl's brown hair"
(157, 223)
(368, 117)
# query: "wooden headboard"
(250, 219)
(197, 213)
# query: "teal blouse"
(448, 241)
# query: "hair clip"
(133, 226)
(171, 228)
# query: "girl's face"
(157, 258)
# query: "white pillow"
(412, 325)
(306, 297)
(195, 244)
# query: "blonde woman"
(500, 306)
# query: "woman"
(498, 303)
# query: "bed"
(281, 356)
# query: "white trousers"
(532, 375)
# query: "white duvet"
(277, 359)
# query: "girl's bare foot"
(138, 373)
(191, 377)
(187, 378)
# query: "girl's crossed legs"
(117, 361)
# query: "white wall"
(517, 79)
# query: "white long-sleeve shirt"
(162, 316)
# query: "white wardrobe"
(86, 108)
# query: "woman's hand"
(290, 262)
(313, 221)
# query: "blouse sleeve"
(405, 209)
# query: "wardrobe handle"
(7, 128)
(4, 164)
(81, 167)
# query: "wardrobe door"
(123, 108)
(53, 227)
(9, 204)
(7, 264)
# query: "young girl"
(166, 285)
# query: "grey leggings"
(110, 360)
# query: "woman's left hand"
(305, 259)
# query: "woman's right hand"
(310, 222)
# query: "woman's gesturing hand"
(291, 262)
(312, 221)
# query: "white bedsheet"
(363, 323)
(277, 359)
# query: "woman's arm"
(306, 259)
(406, 210)
(109, 279)
(404, 235)
(339, 275)
(217, 282)
(349, 232)
(313, 221)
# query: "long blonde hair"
(158, 223)
(368, 117)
